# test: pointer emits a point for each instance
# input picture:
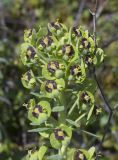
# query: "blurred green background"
(17, 15)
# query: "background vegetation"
(17, 15)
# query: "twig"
(107, 43)
(100, 8)
(97, 81)
(78, 15)
(115, 132)
(94, 24)
(110, 111)
(5, 100)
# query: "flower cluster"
(59, 60)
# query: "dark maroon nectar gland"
(88, 60)
(75, 70)
(53, 66)
(28, 75)
(85, 43)
(29, 33)
(37, 110)
(46, 41)
(77, 32)
(55, 25)
(79, 156)
(68, 50)
(85, 97)
(30, 53)
(97, 110)
(50, 86)
(59, 134)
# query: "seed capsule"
(50, 86)
(30, 53)
(68, 50)
(37, 110)
(53, 66)
(75, 70)
(59, 134)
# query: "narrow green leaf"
(42, 152)
(85, 152)
(72, 122)
(39, 130)
(83, 115)
(73, 106)
(90, 112)
(91, 134)
(58, 109)
(91, 152)
(55, 157)
(37, 95)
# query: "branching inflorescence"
(59, 61)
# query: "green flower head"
(52, 66)
(60, 59)
(77, 32)
(77, 72)
(68, 50)
(55, 25)
(50, 86)
(85, 97)
(53, 69)
(28, 80)
(46, 41)
(28, 54)
(28, 35)
(60, 136)
(39, 112)
(57, 29)
(85, 43)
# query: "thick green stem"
(63, 152)
(62, 115)
(62, 120)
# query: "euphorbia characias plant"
(59, 61)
